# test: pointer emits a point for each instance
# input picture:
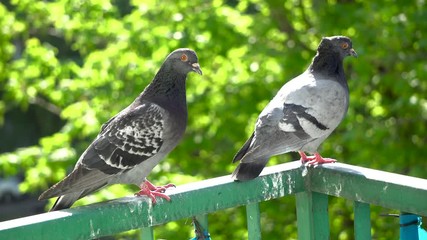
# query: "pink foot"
(151, 191)
(314, 160)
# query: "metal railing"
(311, 186)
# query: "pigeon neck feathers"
(328, 64)
(167, 89)
(168, 86)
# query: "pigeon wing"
(132, 137)
(129, 140)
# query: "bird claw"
(315, 160)
(151, 191)
(162, 189)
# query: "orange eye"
(184, 58)
(344, 45)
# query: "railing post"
(362, 221)
(253, 219)
(312, 216)
(147, 233)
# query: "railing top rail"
(127, 213)
(356, 183)
(390, 190)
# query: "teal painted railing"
(410, 227)
(310, 185)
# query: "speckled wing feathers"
(136, 136)
(131, 138)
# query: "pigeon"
(303, 114)
(135, 140)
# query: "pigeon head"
(184, 60)
(339, 44)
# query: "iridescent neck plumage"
(329, 65)
(166, 89)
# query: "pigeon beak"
(353, 53)
(196, 68)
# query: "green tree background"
(67, 66)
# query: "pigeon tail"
(65, 201)
(239, 155)
(249, 170)
(80, 180)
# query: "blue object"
(206, 236)
(201, 234)
(410, 227)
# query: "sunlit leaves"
(86, 60)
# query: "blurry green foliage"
(83, 61)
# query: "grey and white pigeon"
(134, 141)
(303, 114)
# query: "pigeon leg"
(150, 190)
(304, 157)
(314, 160)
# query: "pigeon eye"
(184, 58)
(344, 45)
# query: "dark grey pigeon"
(134, 141)
(303, 113)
